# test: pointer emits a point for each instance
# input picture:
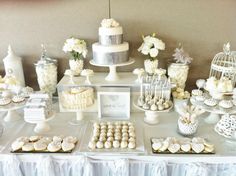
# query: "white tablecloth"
(82, 162)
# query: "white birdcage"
(224, 64)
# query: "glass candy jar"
(178, 73)
(46, 70)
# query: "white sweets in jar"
(47, 77)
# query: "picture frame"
(114, 103)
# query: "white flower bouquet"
(76, 47)
(151, 46)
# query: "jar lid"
(44, 60)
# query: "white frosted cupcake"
(226, 104)
(210, 102)
(5, 101)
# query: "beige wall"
(202, 26)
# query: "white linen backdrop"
(84, 166)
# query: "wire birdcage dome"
(224, 64)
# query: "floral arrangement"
(151, 46)
(180, 56)
(108, 23)
(76, 47)
(189, 114)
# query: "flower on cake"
(151, 46)
(108, 23)
(76, 47)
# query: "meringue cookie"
(173, 148)
(185, 147)
(54, 146)
(67, 146)
(123, 144)
(197, 147)
(92, 145)
(131, 145)
(28, 147)
(116, 144)
(99, 145)
(40, 146)
(17, 145)
(108, 145)
(156, 145)
(34, 138)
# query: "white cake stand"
(12, 114)
(215, 111)
(42, 126)
(151, 117)
(112, 76)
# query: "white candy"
(124, 144)
(116, 144)
(108, 145)
(131, 145)
(92, 145)
(67, 146)
(99, 145)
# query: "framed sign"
(114, 102)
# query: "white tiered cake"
(110, 49)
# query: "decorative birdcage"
(224, 64)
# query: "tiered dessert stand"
(11, 109)
(151, 117)
(215, 111)
(113, 76)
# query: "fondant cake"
(110, 49)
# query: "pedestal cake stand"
(151, 117)
(42, 126)
(12, 114)
(215, 111)
(112, 76)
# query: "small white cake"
(77, 98)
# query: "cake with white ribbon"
(110, 49)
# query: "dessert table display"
(109, 134)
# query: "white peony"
(75, 45)
(159, 44)
(145, 50)
(151, 45)
(153, 52)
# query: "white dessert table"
(83, 163)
